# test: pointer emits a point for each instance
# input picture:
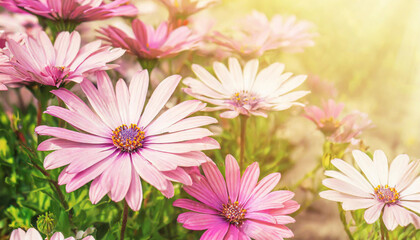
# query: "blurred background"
(366, 55)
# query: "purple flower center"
(244, 98)
(386, 194)
(234, 213)
(128, 139)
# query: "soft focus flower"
(336, 129)
(392, 191)
(77, 11)
(148, 43)
(116, 142)
(245, 92)
(184, 8)
(33, 234)
(19, 23)
(238, 208)
(320, 87)
(37, 60)
(256, 35)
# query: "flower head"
(37, 60)
(115, 143)
(145, 42)
(33, 234)
(238, 208)
(256, 35)
(338, 130)
(77, 11)
(185, 8)
(392, 191)
(245, 92)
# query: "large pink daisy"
(240, 208)
(116, 144)
(392, 191)
(37, 60)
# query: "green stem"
(124, 220)
(344, 221)
(384, 230)
(148, 64)
(242, 141)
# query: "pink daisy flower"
(240, 208)
(145, 42)
(338, 130)
(33, 234)
(116, 143)
(77, 11)
(245, 92)
(392, 191)
(184, 8)
(37, 60)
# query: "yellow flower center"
(128, 139)
(234, 213)
(386, 194)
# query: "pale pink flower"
(145, 42)
(19, 23)
(37, 60)
(33, 234)
(336, 129)
(116, 143)
(77, 11)
(245, 92)
(256, 35)
(185, 8)
(238, 208)
(392, 191)
(321, 87)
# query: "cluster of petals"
(388, 190)
(77, 11)
(246, 91)
(36, 60)
(145, 42)
(116, 144)
(338, 130)
(256, 35)
(18, 23)
(185, 8)
(238, 208)
(33, 234)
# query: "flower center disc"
(128, 139)
(242, 98)
(329, 125)
(386, 194)
(233, 213)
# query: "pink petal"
(216, 181)
(199, 221)
(205, 143)
(33, 234)
(70, 135)
(194, 206)
(216, 233)
(366, 165)
(138, 91)
(159, 98)
(248, 182)
(264, 187)
(97, 191)
(235, 234)
(123, 100)
(118, 177)
(134, 195)
(388, 218)
(186, 135)
(18, 234)
(178, 175)
(372, 214)
(148, 172)
(233, 177)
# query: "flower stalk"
(124, 221)
(243, 120)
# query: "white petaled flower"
(393, 191)
(246, 91)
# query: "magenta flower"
(336, 129)
(116, 143)
(147, 43)
(33, 234)
(37, 60)
(77, 11)
(240, 208)
(244, 91)
(392, 191)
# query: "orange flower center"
(386, 194)
(128, 139)
(234, 213)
